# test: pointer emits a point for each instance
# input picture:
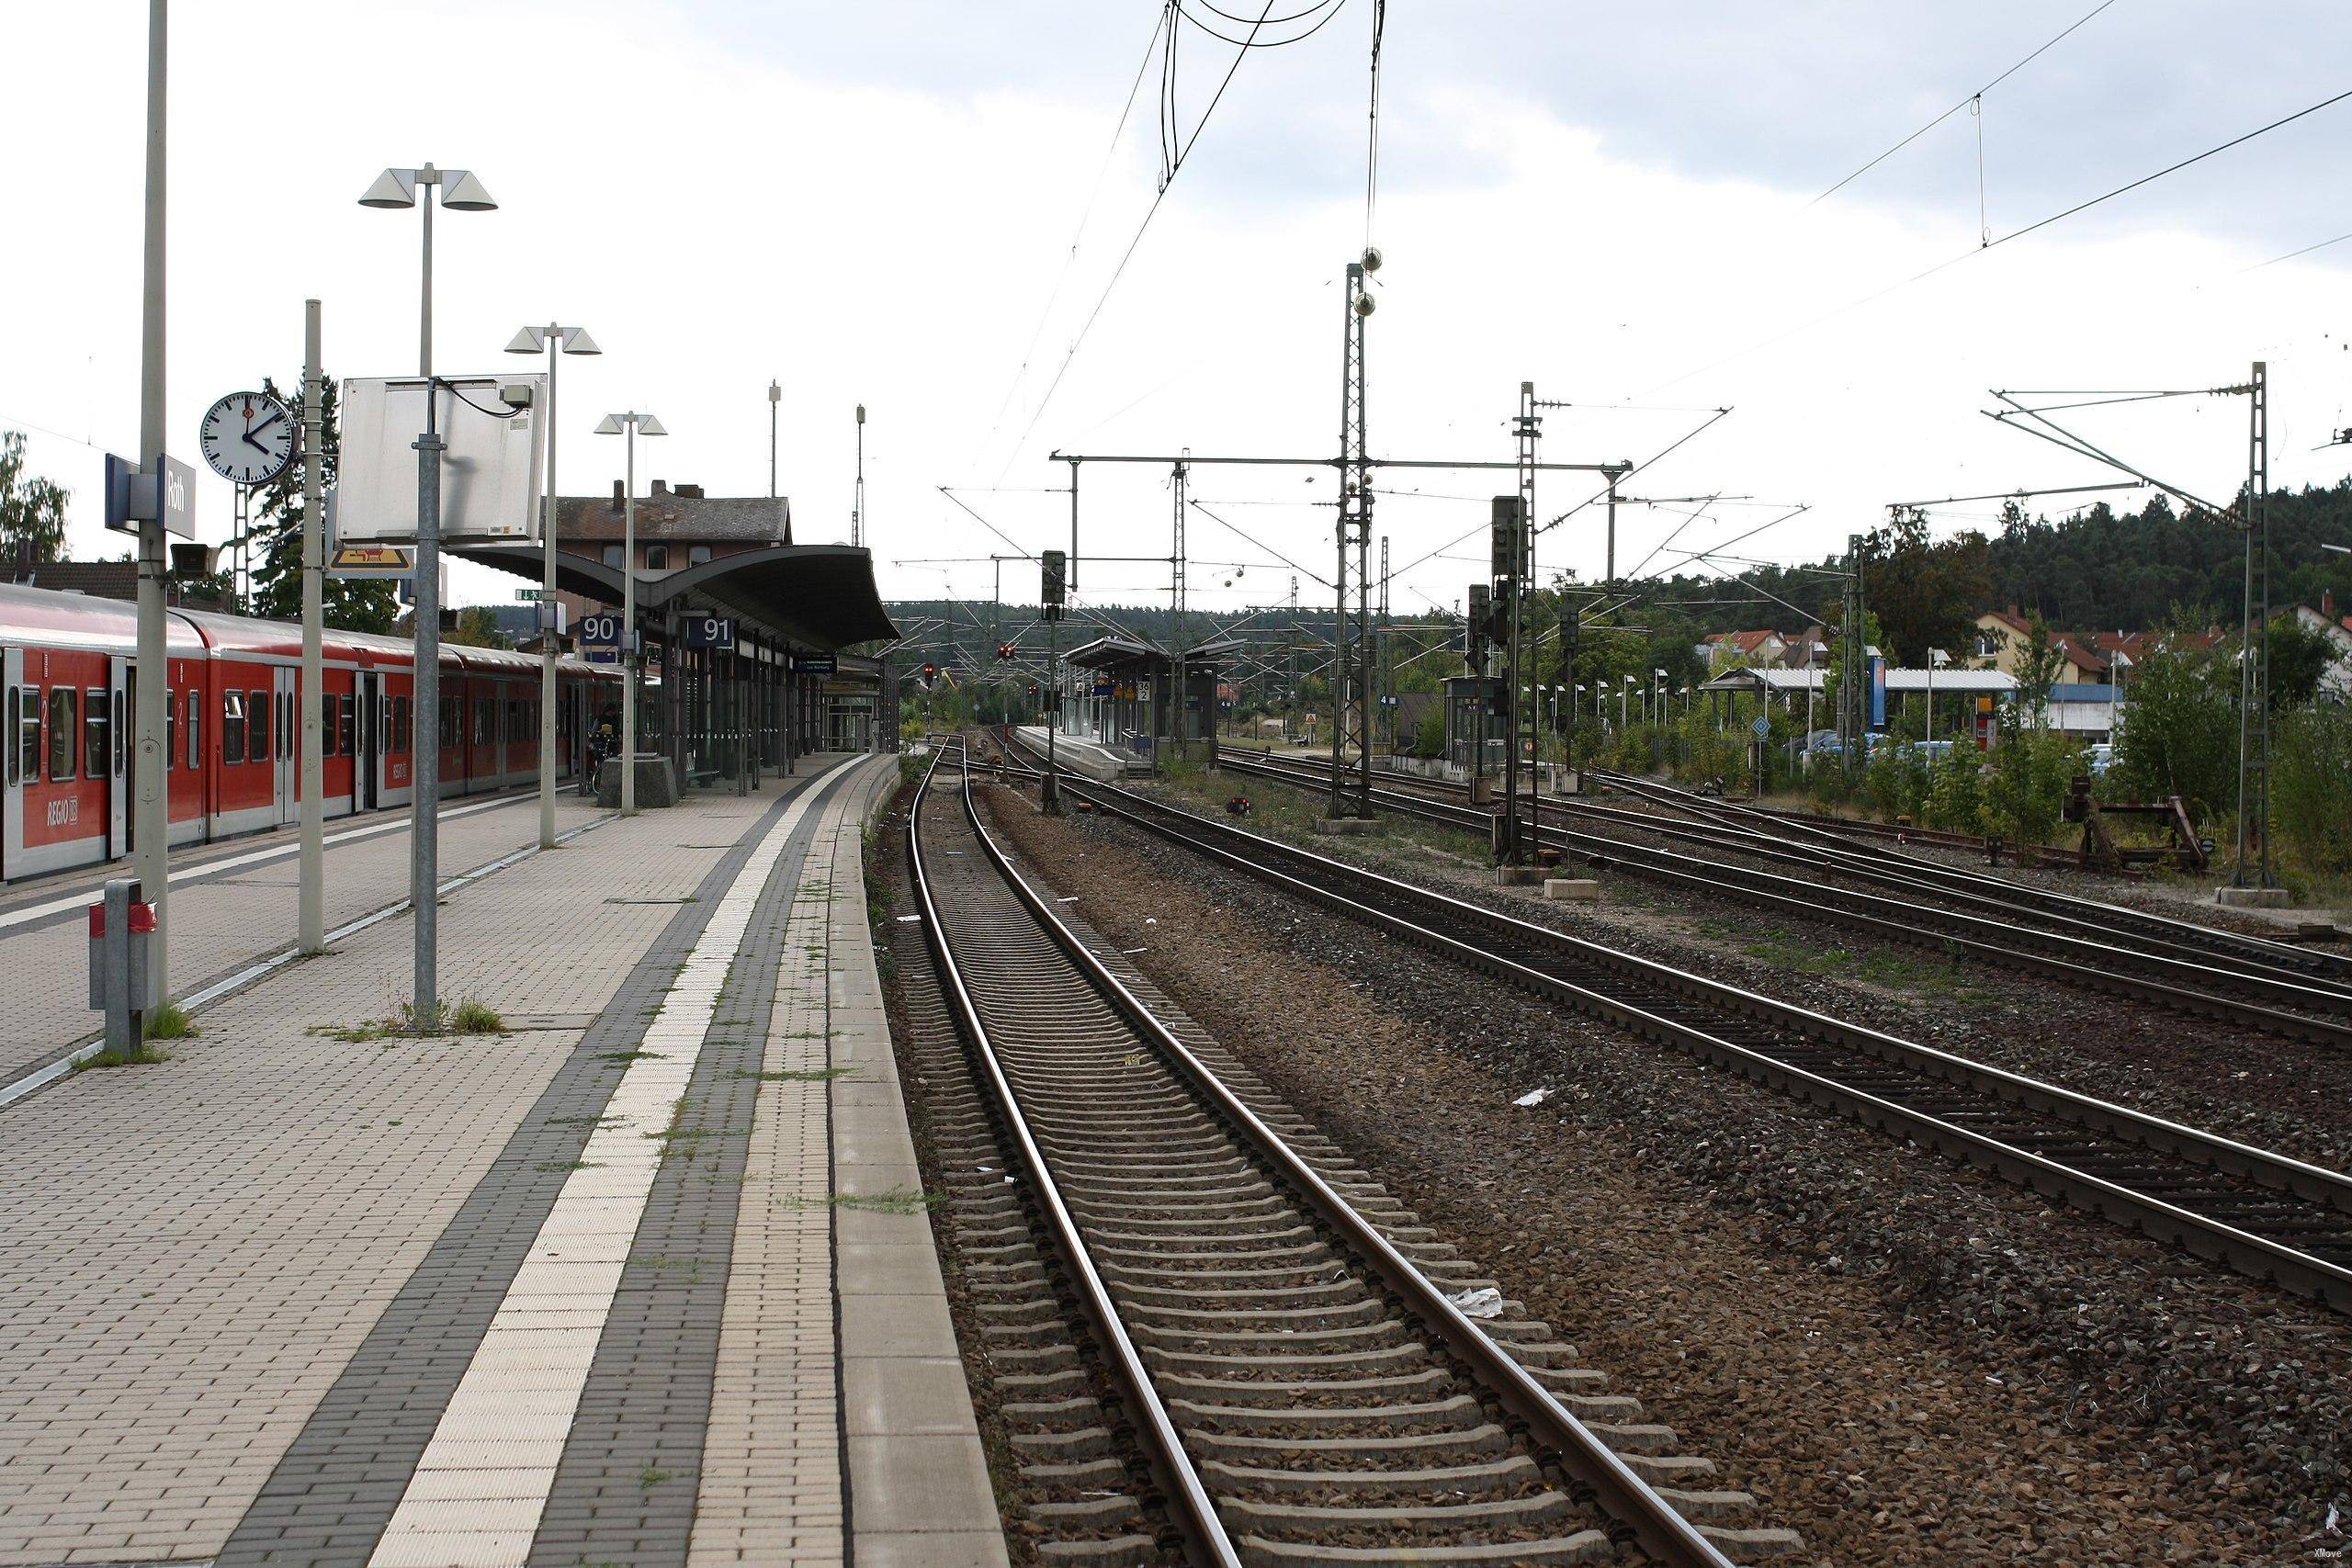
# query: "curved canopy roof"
(817, 596)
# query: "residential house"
(677, 527)
(1753, 650)
(2002, 637)
(2335, 628)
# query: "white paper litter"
(1151, 919)
(1071, 900)
(1533, 1096)
(909, 919)
(1484, 1302)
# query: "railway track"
(2160, 933)
(1293, 1376)
(2267, 1216)
(2293, 1005)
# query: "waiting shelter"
(1121, 691)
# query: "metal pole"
(314, 419)
(1050, 794)
(151, 826)
(547, 609)
(1070, 578)
(1608, 568)
(775, 396)
(631, 661)
(425, 848)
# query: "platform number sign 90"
(600, 631)
(710, 631)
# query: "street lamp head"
(393, 187)
(464, 193)
(861, 413)
(648, 425)
(577, 341)
(775, 391)
(1938, 659)
(609, 426)
(530, 340)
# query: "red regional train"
(69, 676)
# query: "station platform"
(646, 1278)
(1088, 758)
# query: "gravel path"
(1907, 1362)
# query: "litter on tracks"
(1533, 1096)
(1484, 1302)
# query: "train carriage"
(233, 711)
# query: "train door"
(285, 762)
(12, 781)
(367, 767)
(107, 748)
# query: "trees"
(32, 511)
(2182, 735)
(349, 605)
(1926, 593)
(2038, 664)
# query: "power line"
(1994, 244)
(1964, 103)
(2171, 168)
(1168, 55)
(2290, 255)
(1069, 258)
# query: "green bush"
(1895, 781)
(2025, 793)
(1956, 790)
(2180, 732)
(2311, 792)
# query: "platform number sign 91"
(710, 631)
(600, 631)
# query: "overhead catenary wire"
(1070, 256)
(1168, 179)
(1975, 97)
(1995, 244)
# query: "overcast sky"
(877, 202)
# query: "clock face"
(248, 437)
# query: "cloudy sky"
(878, 202)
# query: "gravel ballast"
(1908, 1361)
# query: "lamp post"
(461, 191)
(1624, 690)
(631, 424)
(1937, 660)
(558, 341)
(776, 397)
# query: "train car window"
(343, 736)
(195, 732)
(13, 716)
(286, 724)
(326, 724)
(62, 723)
(29, 738)
(232, 728)
(95, 744)
(170, 731)
(514, 720)
(257, 725)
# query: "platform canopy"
(815, 596)
(1113, 649)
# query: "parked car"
(2100, 757)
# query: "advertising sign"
(490, 467)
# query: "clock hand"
(265, 424)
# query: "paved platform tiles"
(287, 1299)
(237, 908)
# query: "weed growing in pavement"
(898, 1201)
(169, 1021)
(814, 1075)
(568, 1164)
(140, 1056)
(468, 1017)
(581, 1121)
(624, 1057)
(648, 1478)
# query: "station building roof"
(813, 596)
